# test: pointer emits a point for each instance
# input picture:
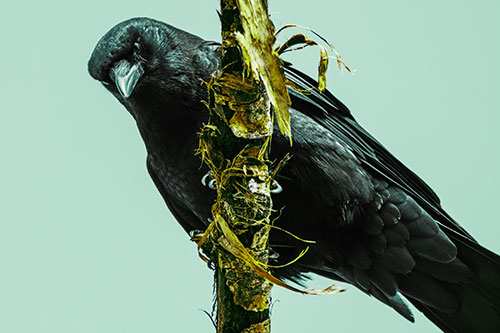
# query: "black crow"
(376, 224)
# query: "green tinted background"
(86, 242)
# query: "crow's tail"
(480, 297)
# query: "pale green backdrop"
(86, 243)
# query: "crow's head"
(148, 64)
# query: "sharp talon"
(205, 177)
(206, 182)
(195, 234)
(276, 187)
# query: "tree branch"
(235, 145)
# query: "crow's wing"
(480, 298)
(332, 114)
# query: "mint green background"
(86, 243)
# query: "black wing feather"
(335, 116)
(480, 297)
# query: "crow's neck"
(171, 134)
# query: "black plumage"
(376, 224)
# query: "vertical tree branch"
(235, 145)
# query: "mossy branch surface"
(235, 145)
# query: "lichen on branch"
(235, 146)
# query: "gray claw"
(276, 187)
(205, 177)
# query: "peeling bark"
(235, 145)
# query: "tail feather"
(479, 297)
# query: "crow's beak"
(126, 76)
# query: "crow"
(376, 224)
